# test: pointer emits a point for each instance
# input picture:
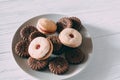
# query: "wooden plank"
(100, 17)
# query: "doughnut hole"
(37, 46)
(71, 35)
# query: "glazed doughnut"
(39, 48)
(70, 37)
(49, 52)
(46, 26)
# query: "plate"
(86, 48)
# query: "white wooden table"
(100, 17)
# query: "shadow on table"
(103, 52)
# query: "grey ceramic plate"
(86, 47)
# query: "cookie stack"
(51, 45)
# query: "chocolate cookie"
(26, 31)
(74, 56)
(63, 23)
(57, 45)
(76, 23)
(58, 65)
(63, 50)
(35, 34)
(37, 64)
(21, 48)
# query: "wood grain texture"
(100, 17)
